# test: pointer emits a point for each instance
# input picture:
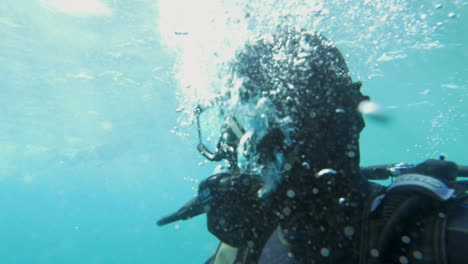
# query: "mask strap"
(198, 110)
(216, 156)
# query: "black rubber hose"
(388, 233)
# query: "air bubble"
(369, 108)
(403, 260)
(324, 172)
(375, 253)
(299, 61)
(287, 211)
(417, 255)
(451, 15)
(406, 239)
(349, 231)
(351, 154)
(315, 191)
(291, 194)
(325, 252)
(341, 201)
(425, 92)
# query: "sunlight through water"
(78, 7)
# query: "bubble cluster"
(214, 30)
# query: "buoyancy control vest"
(419, 218)
(412, 219)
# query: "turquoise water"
(93, 151)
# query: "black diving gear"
(409, 228)
(436, 167)
(226, 198)
(191, 209)
(419, 218)
(417, 207)
(211, 188)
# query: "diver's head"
(293, 95)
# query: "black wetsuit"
(275, 252)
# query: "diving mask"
(251, 144)
(226, 147)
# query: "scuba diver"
(293, 192)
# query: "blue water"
(88, 154)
